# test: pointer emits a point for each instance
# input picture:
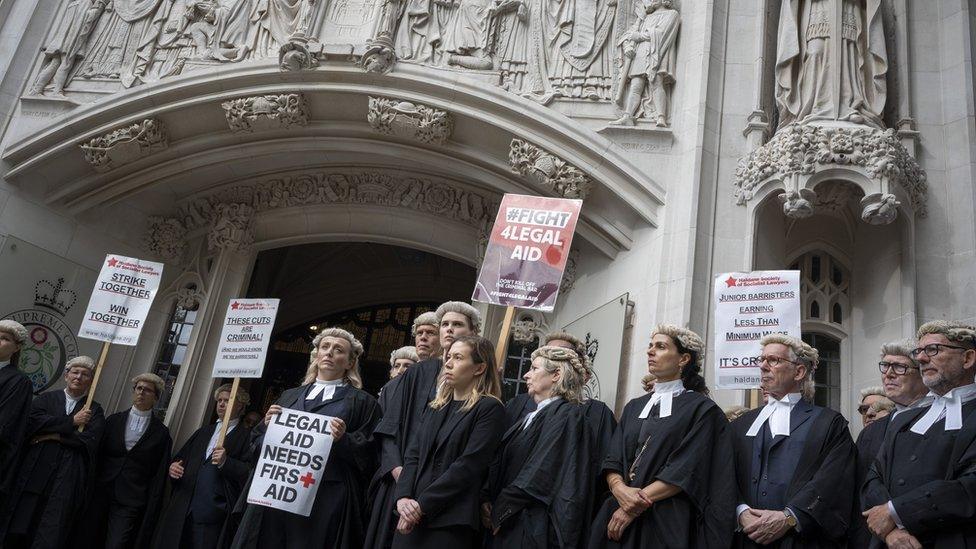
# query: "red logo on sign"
(730, 282)
(112, 262)
(235, 305)
(307, 480)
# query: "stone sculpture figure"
(574, 35)
(68, 46)
(831, 62)
(508, 43)
(465, 40)
(414, 31)
(649, 54)
(120, 33)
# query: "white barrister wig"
(474, 317)
(426, 319)
(409, 352)
(574, 341)
(801, 351)
(81, 361)
(15, 329)
(355, 351)
(953, 331)
(686, 338)
(899, 348)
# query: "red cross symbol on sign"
(307, 480)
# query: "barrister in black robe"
(795, 462)
(131, 473)
(452, 452)
(670, 460)
(337, 518)
(540, 482)
(55, 475)
(203, 492)
(923, 483)
(16, 392)
(406, 398)
(517, 408)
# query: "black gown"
(15, 401)
(202, 498)
(55, 476)
(821, 487)
(868, 445)
(691, 449)
(129, 485)
(540, 481)
(517, 408)
(404, 405)
(337, 517)
(930, 479)
(448, 458)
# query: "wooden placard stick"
(502, 344)
(98, 372)
(228, 412)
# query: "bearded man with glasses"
(921, 488)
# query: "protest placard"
(749, 306)
(120, 302)
(245, 337)
(527, 252)
(295, 450)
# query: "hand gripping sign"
(293, 457)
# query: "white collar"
(777, 412)
(531, 415)
(948, 406)
(663, 394)
(4, 363)
(919, 403)
(233, 423)
(68, 396)
(140, 413)
(325, 388)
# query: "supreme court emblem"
(51, 343)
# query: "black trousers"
(199, 535)
(122, 527)
(453, 537)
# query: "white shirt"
(135, 426)
(664, 394)
(948, 406)
(531, 415)
(4, 363)
(325, 389)
(777, 412)
(216, 434)
(70, 401)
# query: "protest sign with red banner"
(527, 252)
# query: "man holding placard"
(52, 483)
(206, 479)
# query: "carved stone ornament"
(380, 55)
(189, 297)
(798, 152)
(569, 273)
(524, 330)
(126, 144)
(546, 169)
(266, 112)
(410, 120)
(295, 55)
(166, 238)
(425, 195)
(231, 227)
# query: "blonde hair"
(570, 368)
(243, 398)
(355, 351)
(488, 384)
(157, 382)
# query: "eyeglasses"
(898, 369)
(141, 389)
(933, 349)
(773, 361)
(863, 409)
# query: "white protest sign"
(749, 306)
(245, 337)
(293, 457)
(121, 300)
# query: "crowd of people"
(439, 461)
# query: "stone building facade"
(833, 136)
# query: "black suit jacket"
(448, 461)
(133, 477)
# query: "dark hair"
(691, 376)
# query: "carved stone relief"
(264, 112)
(189, 297)
(166, 238)
(231, 227)
(126, 144)
(569, 274)
(410, 120)
(524, 330)
(548, 170)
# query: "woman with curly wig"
(670, 466)
(540, 484)
(332, 387)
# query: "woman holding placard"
(332, 388)
(669, 465)
(447, 462)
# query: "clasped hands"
(632, 503)
(881, 524)
(764, 526)
(410, 514)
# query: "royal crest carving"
(548, 170)
(266, 112)
(802, 150)
(126, 144)
(425, 195)
(410, 120)
(231, 227)
(166, 238)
